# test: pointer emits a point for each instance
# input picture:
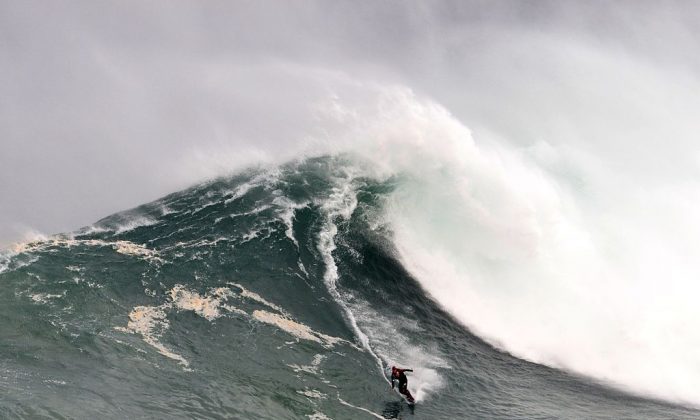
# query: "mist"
(104, 106)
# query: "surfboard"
(405, 398)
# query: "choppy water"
(274, 293)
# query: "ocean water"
(275, 293)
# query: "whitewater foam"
(341, 204)
(45, 298)
(246, 213)
(128, 224)
(205, 306)
(138, 250)
(264, 179)
(313, 368)
(313, 394)
(256, 297)
(370, 412)
(390, 340)
(122, 247)
(591, 281)
(296, 329)
(151, 321)
(4, 261)
(286, 211)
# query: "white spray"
(531, 264)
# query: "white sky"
(107, 105)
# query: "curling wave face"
(541, 251)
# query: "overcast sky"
(107, 105)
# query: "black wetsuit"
(403, 382)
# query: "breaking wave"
(293, 287)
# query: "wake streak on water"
(341, 204)
(245, 299)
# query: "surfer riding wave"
(399, 375)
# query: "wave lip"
(527, 262)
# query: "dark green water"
(272, 294)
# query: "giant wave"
(284, 291)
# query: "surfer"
(399, 375)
